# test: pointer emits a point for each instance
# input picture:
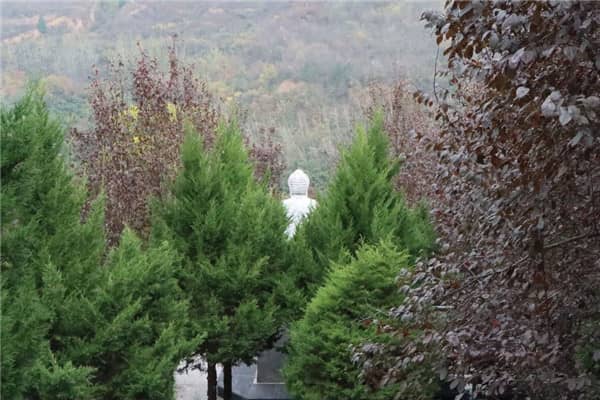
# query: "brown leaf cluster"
(267, 155)
(133, 148)
(140, 117)
(511, 303)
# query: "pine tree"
(138, 339)
(319, 366)
(42, 238)
(229, 231)
(74, 326)
(361, 206)
(41, 25)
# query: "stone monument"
(263, 381)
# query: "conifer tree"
(319, 366)
(74, 326)
(361, 206)
(138, 339)
(230, 233)
(41, 25)
(42, 238)
(360, 209)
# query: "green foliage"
(142, 317)
(41, 230)
(73, 325)
(588, 350)
(320, 361)
(41, 25)
(228, 230)
(40, 205)
(362, 206)
(333, 50)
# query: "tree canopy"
(361, 205)
(516, 178)
(75, 322)
(229, 231)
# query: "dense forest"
(301, 71)
(454, 249)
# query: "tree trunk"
(227, 392)
(211, 391)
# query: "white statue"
(298, 205)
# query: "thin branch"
(573, 239)
(484, 274)
(443, 307)
(437, 54)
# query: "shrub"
(320, 364)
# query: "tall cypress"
(73, 324)
(49, 258)
(229, 231)
(359, 238)
(361, 205)
(320, 364)
(138, 336)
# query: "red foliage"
(140, 118)
(410, 128)
(513, 298)
(139, 126)
(267, 156)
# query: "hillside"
(301, 68)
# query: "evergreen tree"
(42, 238)
(72, 325)
(319, 366)
(361, 205)
(230, 233)
(41, 25)
(360, 209)
(138, 339)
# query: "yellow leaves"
(141, 144)
(142, 140)
(132, 112)
(172, 110)
(360, 34)
(268, 74)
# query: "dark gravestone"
(262, 380)
(269, 364)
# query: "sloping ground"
(302, 68)
(29, 31)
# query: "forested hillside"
(300, 67)
(450, 252)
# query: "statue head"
(298, 183)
